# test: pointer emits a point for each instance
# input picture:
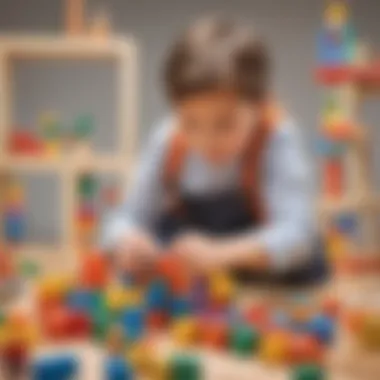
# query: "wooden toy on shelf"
(75, 17)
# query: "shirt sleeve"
(144, 200)
(289, 235)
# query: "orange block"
(332, 178)
(173, 269)
(213, 334)
(94, 273)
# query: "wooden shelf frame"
(68, 168)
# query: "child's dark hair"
(218, 53)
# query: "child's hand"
(202, 253)
(136, 250)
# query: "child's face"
(217, 124)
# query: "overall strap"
(251, 170)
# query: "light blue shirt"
(288, 192)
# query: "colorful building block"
(116, 368)
(94, 273)
(157, 320)
(369, 333)
(185, 331)
(309, 372)
(213, 334)
(244, 340)
(157, 295)
(83, 300)
(14, 359)
(323, 328)
(173, 270)
(180, 306)
(305, 349)
(185, 367)
(221, 288)
(274, 348)
(133, 321)
(59, 367)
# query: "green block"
(101, 317)
(309, 372)
(244, 340)
(84, 126)
(185, 367)
(87, 186)
(29, 269)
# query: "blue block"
(157, 295)
(323, 328)
(133, 322)
(60, 367)
(83, 301)
(329, 148)
(117, 369)
(180, 306)
(346, 223)
(14, 228)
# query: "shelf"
(98, 164)
(61, 47)
(333, 206)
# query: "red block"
(79, 325)
(157, 320)
(213, 334)
(258, 316)
(61, 323)
(15, 357)
(55, 323)
(305, 349)
(94, 273)
(22, 142)
(332, 178)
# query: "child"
(224, 182)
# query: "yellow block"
(336, 246)
(274, 348)
(133, 297)
(222, 288)
(55, 286)
(116, 298)
(369, 334)
(53, 148)
(141, 357)
(184, 331)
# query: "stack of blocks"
(86, 214)
(14, 212)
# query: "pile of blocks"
(125, 315)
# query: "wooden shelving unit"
(121, 51)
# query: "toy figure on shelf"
(14, 212)
(51, 131)
(87, 218)
(336, 42)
